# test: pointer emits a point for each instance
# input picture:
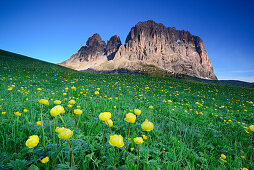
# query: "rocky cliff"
(147, 44)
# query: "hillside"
(194, 122)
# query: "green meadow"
(194, 122)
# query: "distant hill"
(22, 61)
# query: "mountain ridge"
(148, 43)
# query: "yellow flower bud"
(65, 134)
(138, 140)
(17, 113)
(137, 111)
(144, 137)
(104, 116)
(55, 111)
(223, 156)
(147, 126)
(109, 123)
(252, 128)
(116, 140)
(32, 141)
(150, 107)
(72, 102)
(78, 111)
(130, 118)
(38, 123)
(44, 102)
(45, 160)
(57, 102)
(59, 129)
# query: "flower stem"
(147, 147)
(62, 120)
(71, 155)
(127, 143)
(42, 125)
(75, 122)
(115, 159)
(138, 157)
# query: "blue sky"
(54, 30)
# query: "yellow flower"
(10, 89)
(32, 141)
(57, 102)
(150, 107)
(55, 111)
(114, 107)
(98, 89)
(78, 111)
(252, 128)
(116, 140)
(73, 88)
(72, 102)
(64, 94)
(130, 117)
(45, 160)
(25, 110)
(147, 126)
(66, 89)
(223, 156)
(104, 116)
(96, 92)
(17, 113)
(44, 102)
(65, 134)
(3, 113)
(244, 168)
(243, 157)
(137, 111)
(39, 89)
(78, 107)
(59, 129)
(144, 137)
(132, 149)
(109, 123)
(38, 123)
(69, 105)
(138, 140)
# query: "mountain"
(148, 45)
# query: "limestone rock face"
(148, 43)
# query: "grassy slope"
(186, 133)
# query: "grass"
(194, 122)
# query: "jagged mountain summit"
(148, 44)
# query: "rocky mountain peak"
(112, 46)
(147, 44)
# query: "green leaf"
(33, 167)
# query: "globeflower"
(130, 118)
(147, 126)
(65, 134)
(109, 123)
(17, 113)
(32, 141)
(57, 102)
(45, 160)
(25, 110)
(55, 111)
(138, 140)
(73, 88)
(137, 111)
(38, 123)
(116, 140)
(104, 116)
(39, 89)
(252, 128)
(44, 102)
(150, 107)
(96, 92)
(72, 102)
(10, 89)
(144, 137)
(78, 111)
(59, 129)
(223, 156)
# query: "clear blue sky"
(54, 30)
